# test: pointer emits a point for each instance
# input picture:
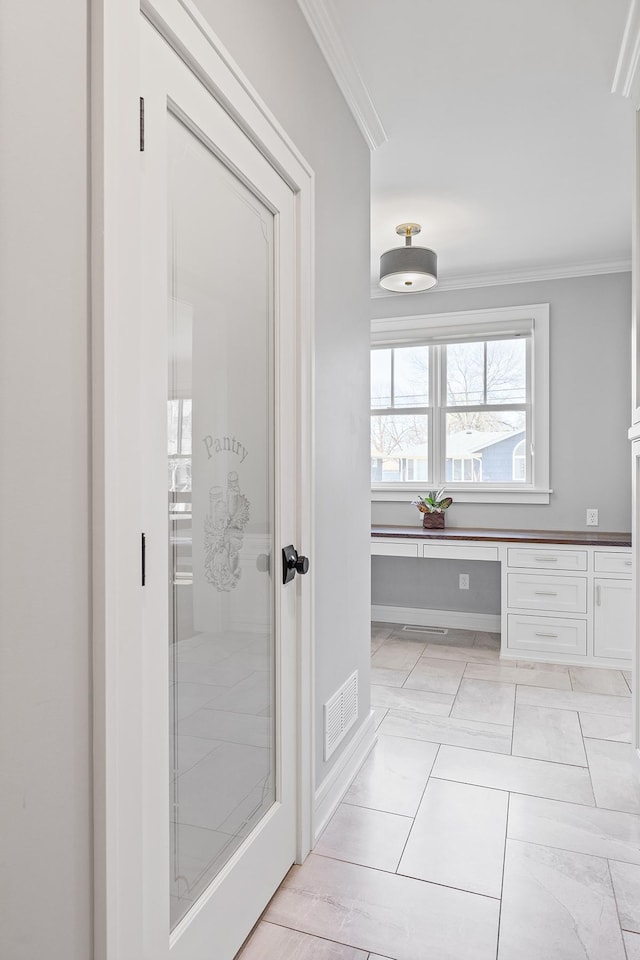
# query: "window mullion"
(439, 414)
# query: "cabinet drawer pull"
(551, 635)
(546, 593)
(599, 595)
(548, 559)
(628, 563)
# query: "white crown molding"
(566, 272)
(321, 17)
(626, 80)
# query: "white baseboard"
(419, 617)
(334, 786)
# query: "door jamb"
(115, 357)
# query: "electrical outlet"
(592, 517)
(463, 581)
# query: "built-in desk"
(567, 596)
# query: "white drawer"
(387, 548)
(453, 551)
(562, 594)
(543, 558)
(612, 562)
(546, 634)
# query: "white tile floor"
(497, 818)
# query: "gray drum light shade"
(408, 269)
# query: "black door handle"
(293, 563)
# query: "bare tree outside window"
(480, 411)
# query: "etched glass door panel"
(221, 513)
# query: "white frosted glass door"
(221, 500)
(221, 513)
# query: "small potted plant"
(432, 507)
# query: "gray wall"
(590, 386)
(45, 715)
(274, 47)
(45, 684)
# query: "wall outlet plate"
(592, 517)
(463, 581)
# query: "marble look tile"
(628, 676)
(470, 655)
(519, 673)
(466, 733)
(208, 795)
(376, 643)
(486, 641)
(564, 700)
(458, 838)
(189, 697)
(436, 676)
(615, 780)
(394, 775)
(420, 701)
(631, 943)
(185, 752)
(388, 678)
(380, 631)
(626, 885)
(199, 854)
(541, 665)
(379, 713)
(271, 941)
(547, 734)
(558, 905)
(252, 695)
(538, 778)
(368, 837)
(229, 727)
(398, 654)
(605, 728)
(396, 916)
(571, 826)
(225, 673)
(485, 700)
(598, 680)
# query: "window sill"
(462, 494)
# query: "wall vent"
(340, 714)
(441, 631)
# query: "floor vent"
(340, 714)
(441, 631)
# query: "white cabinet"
(547, 558)
(535, 592)
(579, 610)
(547, 636)
(613, 619)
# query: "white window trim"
(394, 331)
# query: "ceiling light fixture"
(408, 269)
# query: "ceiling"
(503, 138)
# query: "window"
(461, 401)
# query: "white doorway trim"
(117, 597)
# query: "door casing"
(118, 660)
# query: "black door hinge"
(143, 559)
(141, 124)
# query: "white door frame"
(118, 718)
